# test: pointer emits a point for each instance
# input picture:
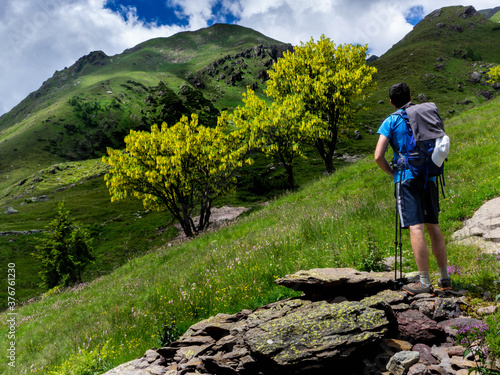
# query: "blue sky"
(41, 37)
(161, 12)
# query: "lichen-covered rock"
(316, 332)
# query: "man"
(417, 201)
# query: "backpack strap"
(402, 113)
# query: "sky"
(40, 37)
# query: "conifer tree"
(63, 251)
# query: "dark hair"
(399, 94)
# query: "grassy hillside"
(496, 17)
(342, 220)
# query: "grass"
(496, 17)
(335, 221)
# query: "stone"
(476, 77)
(447, 308)
(316, 333)
(426, 356)
(416, 326)
(151, 363)
(419, 369)
(488, 95)
(307, 335)
(399, 344)
(425, 305)
(488, 310)
(401, 362)
(462, 362)
(483, 229)
(332, 282)
(10, 211)
(445, 352)
(446, 366)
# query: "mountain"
(444, 59)
(94, 103)
(342, 220)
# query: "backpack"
(426, 143)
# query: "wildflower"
(452, 269)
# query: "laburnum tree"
(63, 251)
(494, 74)
(181, 168)
(328, 80)
(280, 130)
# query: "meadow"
(342, 220)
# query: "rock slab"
(483, 229)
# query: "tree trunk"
(326, 149)
(187, 223)
(326, 154)
(289, 173)
(205, 212)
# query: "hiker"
(418, 207)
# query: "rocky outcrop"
(331, 282)
(483, 229)
(10, 211)
(350, 321)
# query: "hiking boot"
(444, 284)
(418, 288)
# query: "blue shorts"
(416, 204)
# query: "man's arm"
(380, 150)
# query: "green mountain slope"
(343, 220)
(490, 13)
(51, 141)
(496, 17)
(111, 95)
(438, 59)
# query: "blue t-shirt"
(394, 128)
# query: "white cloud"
(42, 37)
(39, 37)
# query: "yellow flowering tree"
(182, 168)
(494, 74)
(280, 131)
(328, 80)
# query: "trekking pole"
(400, 256)
(396, 245)
(398, 282)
